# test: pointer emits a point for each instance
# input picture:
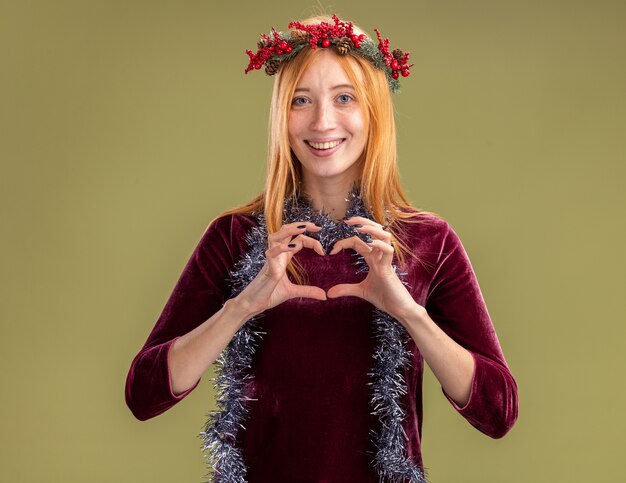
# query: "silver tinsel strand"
(233, 367)
(233, 374)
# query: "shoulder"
(226, 234)
(230, 225)
(430, 237)
(424, 226)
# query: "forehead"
(325, 71)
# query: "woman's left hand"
(381, 287)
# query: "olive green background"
(126, 126)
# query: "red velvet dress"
(312, 418)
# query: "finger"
(289, 230)
(383, 252)
(353, 242)
(275, 268)
(294, 246)
(360, 220)
(284, 235)
(303, 241)
(309, 242)
(376, 231)
(308, 291)
(276, 250)
(345, 290)
(371, 227)
(309, 225)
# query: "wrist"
(412, 315)
(239, 308)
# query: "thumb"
(308, 291)
(345, 290)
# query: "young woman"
(322, 298)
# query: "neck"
(331, 197)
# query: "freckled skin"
(325, 108)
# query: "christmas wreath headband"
(278, 47)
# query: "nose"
(323, 117)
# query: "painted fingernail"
(292, 245)
(358, 225)
(301, 226)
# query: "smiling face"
(326, 126)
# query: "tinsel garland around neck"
(233, 367)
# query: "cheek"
(294, 127)
(359, 127)
(360, 133)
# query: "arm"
(196, 325)
(452, 364)
(197, 302)
(453, 331)
(462, 340)
(192, 354)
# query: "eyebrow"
(339, 86)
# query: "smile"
(325, 145)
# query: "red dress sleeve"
(200, 291)
(456, 304)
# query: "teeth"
(328, 145)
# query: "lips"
(323, 148)
(324, 144)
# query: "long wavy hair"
(379, 180)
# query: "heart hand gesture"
(271, 286)
(381, 287)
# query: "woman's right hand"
(271, 286)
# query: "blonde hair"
(379, 180)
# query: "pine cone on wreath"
(299, 35)
(271, 67)
(343, 46)
(398, 54)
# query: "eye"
(299, 101)
(345, 98)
